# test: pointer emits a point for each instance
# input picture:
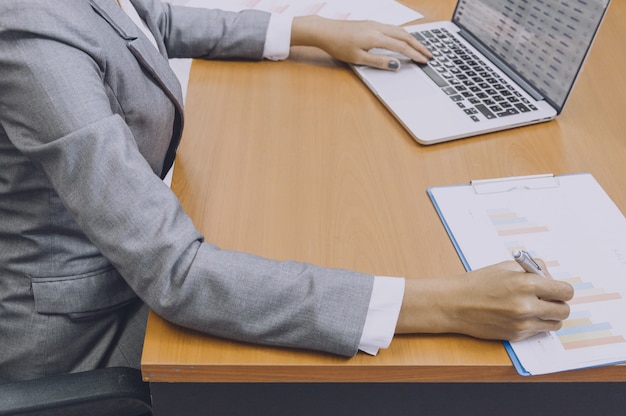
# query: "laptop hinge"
(532, 91)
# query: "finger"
(404, 36)
(534, 326)
(402, 47)
(554, 290)
(546, 287)
(553, 311)
(378, 61)
(543, 267)
(539, 326)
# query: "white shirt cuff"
(278, 37)
(382, 314)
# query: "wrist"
(426, 308)
(307, 30)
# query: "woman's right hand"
(497, 302)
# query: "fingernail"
(393, 65)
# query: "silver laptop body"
(518, 61)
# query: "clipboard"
(558, 218)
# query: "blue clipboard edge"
(507, 345)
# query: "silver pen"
(527, 262)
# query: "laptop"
(497, 65)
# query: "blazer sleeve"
(56, 110)
(206, 33)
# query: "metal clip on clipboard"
(514, 183)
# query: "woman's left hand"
(352, 41)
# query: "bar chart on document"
(295, 8)
(386, 11)
(573, 226)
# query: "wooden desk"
(298, 160)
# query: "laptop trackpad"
(409, 82)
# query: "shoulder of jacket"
(39, 15)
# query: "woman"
(90, 118)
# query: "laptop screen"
(543, 41)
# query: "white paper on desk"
(385, 11)
(580, 234)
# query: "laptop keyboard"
(470, 82)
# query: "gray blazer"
(90, 119)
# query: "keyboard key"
(469, 82)
(485, 111)
(433, 75)
(418, 36)
(508, 112)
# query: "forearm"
(422, 307)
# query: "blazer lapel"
(155, 62)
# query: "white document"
(385, 11)
(570, 223)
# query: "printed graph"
(580, 331)
(578, 233)
(587, 292)
(509, 223)
(250, 4)
(316, 8)
(279, 7)
(513, 245)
